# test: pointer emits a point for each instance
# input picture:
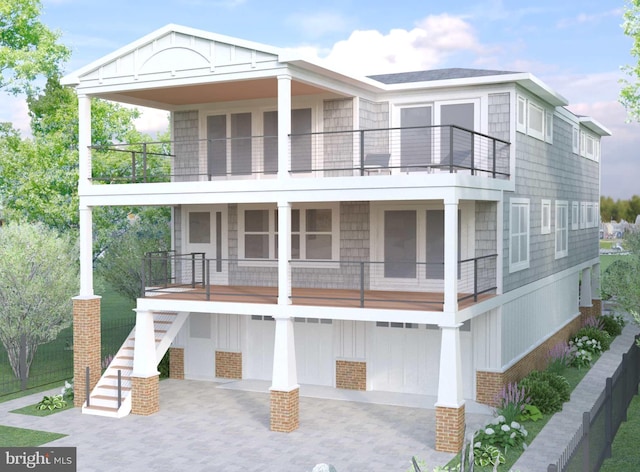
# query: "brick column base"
(176, 363)
(228, 365)
(351, 375)
(450, 426)
(597, 307)
(86, 345)
(145, 395)
(285, 410)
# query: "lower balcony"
(399, 285)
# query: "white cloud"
(16, 112)
(152, 121)
(426, 46)
(584, 18)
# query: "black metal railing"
(353, 283)
(591, 444)
(397, 151)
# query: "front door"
(205, 232)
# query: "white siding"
(533, 317)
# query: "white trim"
(524, 204)
(575, 215)
(545, 216)
(534, 108)
(521, 114)
(549, 127)
(562, 229)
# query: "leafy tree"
(38, 277)
(120, 265)
(621, 280)
(28, 49)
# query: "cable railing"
(367, 152)
(376, 284)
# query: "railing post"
(361, 284)
(586, 426)
(193, 270)
(451, 149)
(361, 152)
(133, 167)
(119, 388)
(87, 387)
(552, 468)
(494, 158)
(208, 279)
(204, 264)
(475, 280)
(144, 162)
(608, 416)
(473, 154)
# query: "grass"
(625, 455)
(31, 410)
(19, 437)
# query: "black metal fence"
(53, 362)
(591, 444)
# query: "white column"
(285, 377)
(284, 124)
(84, 140)
(450, 378)
(86, 251)
(450, 257)
(284, 253)
(595, 282)
(585, 288)
(145, 363)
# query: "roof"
(436, 74)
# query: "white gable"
(175, 52)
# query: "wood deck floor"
(396, 300)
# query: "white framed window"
(535, 121)
(549, 127)
(590, 221)
(562, 229)
(521, 113)
(576, 140)
(583, 215)
(315, 231)
(545, 221)
(519, 234)
(575, 215)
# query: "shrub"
(499, 434)
(559, 357)
(593, 322)
(485, 456)
(556, 381)
(612, 324)
(511, 402)
(67, 390)
(52, 402)
(542, 395)
(597, 334)
(581, 358)
(530, 413)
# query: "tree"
(621, 280)
(38, 277)
(630, 93)
(121, 263)
(28, 49)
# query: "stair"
(103, 400)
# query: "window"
(562, 229)
(519, 234)
(199, 227)
(575, 215)
(535, 121)
(576, 140)
(583, 215)
(590, 221)
(314, 232)
(546, 217)
(549, 127)
(521, 124)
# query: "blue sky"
(576, 47)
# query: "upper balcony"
(355, 153)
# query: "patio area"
(204, 426)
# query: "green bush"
(612, 324)
(556, 381)
(594, 333)
(542, 395)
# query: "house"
(429, 232)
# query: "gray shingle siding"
(338, 116)
(500, 116)
(552, 172)
(186, 146)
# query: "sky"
(575, 47)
